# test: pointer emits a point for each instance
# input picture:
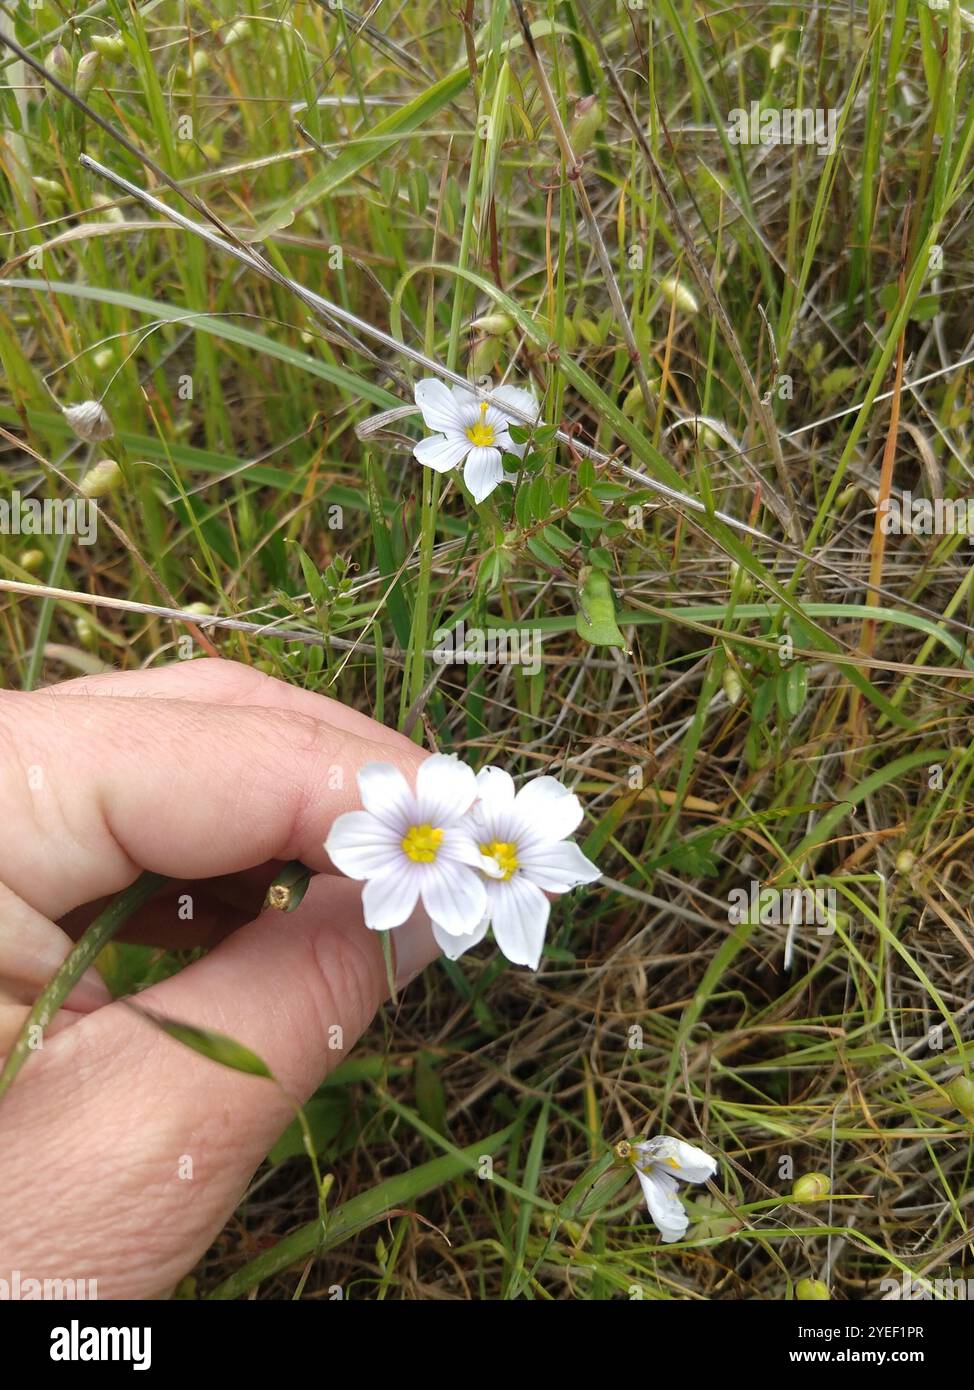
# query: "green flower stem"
(53, 995)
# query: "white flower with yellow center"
(470, 431)
(659, 1163)
(409, 845)
(525, 852)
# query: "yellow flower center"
(505, 855)
(480, 434)
(421, 842)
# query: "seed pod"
(811, 1291)
(199, 62)
(236, 33)
(110, 45)
(485, 356)
(89, 421)
(50, 189)
(31, 561)
(107, 209)
(588, 119)
(494, 324)
(905, 861)
(633, 406)
(679, 295)
(87, 635)
(961, 1092)
(105, 477)
(733, 686)
(812, 1186)
(86, 72)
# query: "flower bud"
(59, 62)
(811, 1291)
(103, 478)
(86, 72)
(811, 1187)
(89, 421)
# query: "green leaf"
(556, 537)
(216, 1046)
(543, 552)
(586, 518)
(365, 150)
(368, 1208)
(429, 1093)
(325, 1116)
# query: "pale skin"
(209, 773)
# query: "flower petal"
(453, 947)
(467, 403)
(679, 1159)
(549, 807)
(557, 866)
(519, 916)
(482, 472)
(362, 846)
(438, 406)
(494, 785)
(445, 789)
(460, 845)
(521, 399)
(389, 899)
(454, 897)
(665, 1207)
(442, 454)
(386, 795)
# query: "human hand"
(209, 773)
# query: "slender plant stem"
(106, 925)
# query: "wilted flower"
(470, 431)
(89, 421)
(659, 1163)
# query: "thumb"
(140, 1148)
